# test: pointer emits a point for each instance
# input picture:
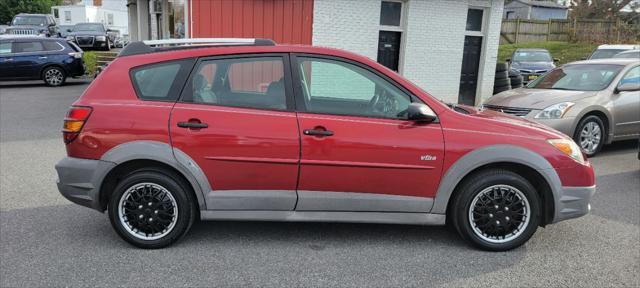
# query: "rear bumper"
(79, 180)
(573, 202)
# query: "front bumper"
(573, 202)
(79, 180)
(564, 125)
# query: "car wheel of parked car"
(152, 208)
(590, 135)
(495, 210)
(54, 76)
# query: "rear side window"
(5, 48)
(249, 82)
(161, 82)
(52, 46)
(27, 47)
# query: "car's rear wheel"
(54, 76)
(495, 210)
(151, 208)
(590, 135)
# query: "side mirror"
(628, 87)
(419, 112)
(68, 30)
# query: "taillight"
(74, 122)
(77, 55)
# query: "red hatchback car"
(243, 129)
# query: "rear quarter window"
(52, 46)
(162, 81)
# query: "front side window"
(27, 47)
(160, 82)
(581, 77)
(256, 83)
(605, 53)
(633, 76)
(336, 87)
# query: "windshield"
(628, 55)
(605, 53)
(29, 20)
(88, 27)
(532, 56)
(582, 77)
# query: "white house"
(447, 47)
(112, 13)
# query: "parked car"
(596, 101)
(630, 54)
(91, 35)
(608, 51)
(43, 25)
(297, 133)
(3, 29)
(531, 63)
(30, 58)
(119, 42)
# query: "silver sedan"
(595, 102)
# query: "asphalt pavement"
(47, 241)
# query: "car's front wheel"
(151, 208)
(54, 76)
(495, 210)
(590, 135)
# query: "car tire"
(501, 67)
(590, 135)
(147, 193)
(54, 76)
(501, 82)
(500, 89)
(506, 227)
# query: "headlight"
(555, 111)
(70, 38)
(101, 38)
(569, 148)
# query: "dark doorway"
(389, 49)
(469, 73)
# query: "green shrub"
(564, 51)
(90, 62)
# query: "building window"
(56, 13)
(474, 20)
(110, 19)
(67, 16)
(390, 13)
(176, 19)
(390, 34)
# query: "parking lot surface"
(47, 241)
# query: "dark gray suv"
(33, 24)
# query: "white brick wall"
(433, 39)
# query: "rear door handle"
(192, 125)
(318, 132)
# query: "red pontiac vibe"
(243, 129)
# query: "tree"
(598, 9)
(9, 8)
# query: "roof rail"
(151, 46)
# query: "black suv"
(33, 24)
(31, 58)
(91, 35)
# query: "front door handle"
(193, 124)
(318, 132)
